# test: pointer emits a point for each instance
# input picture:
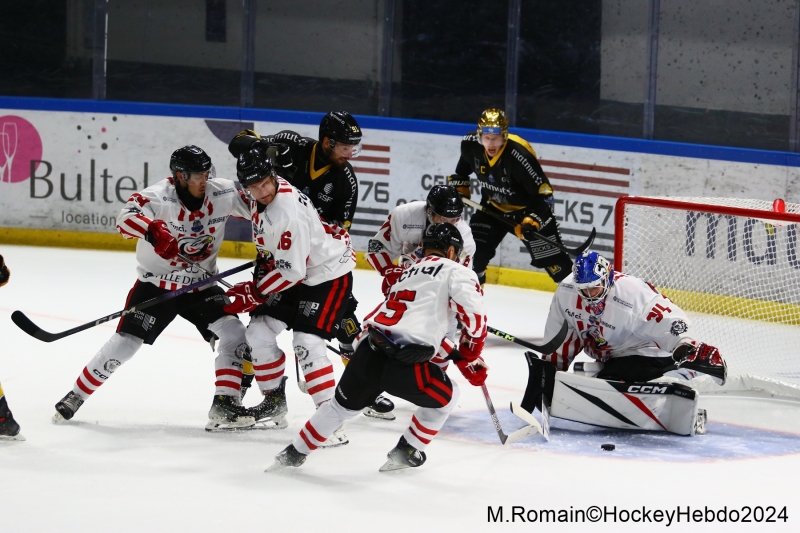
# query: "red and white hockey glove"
(164, 243)
(244, 298)
(390, 277)
(475, 372)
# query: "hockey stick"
(575, 252)
(517, 435)
(301, 383)
(26, 324)
(203, 270)
(545, 348)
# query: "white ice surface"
(136, 457)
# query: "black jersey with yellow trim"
(333, 191)
(513, 178)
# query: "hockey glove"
(265, 263)
(282, 157)
(529, 225)
(701, 358)
(164, 244)
(475, 372)
(470, 348)
(390, 277)
(5, 273)
(461, 184)
(244, 298)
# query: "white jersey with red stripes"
(401, 235)
(199, 233)
(634, 319)
(305, 249)
(426, 298)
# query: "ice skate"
(403, 456)
(382, 408)
(289, 456)
(67, 407)
(9, 429)
(227, 414)
(337, 439)
(271, 412)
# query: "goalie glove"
(244, 298)
(461, 184)
(164, 243)
(5, 273)
(702, 358)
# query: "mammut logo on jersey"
(678, 327)
(225, 191)
(413, 226)
(308, 308)
(524, 162)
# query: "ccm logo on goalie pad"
(648, 389)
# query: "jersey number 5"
(396, 304)
(286, 241)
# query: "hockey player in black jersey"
(513, 186)
(321, 170)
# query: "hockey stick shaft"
(545, 348)
(301, 383)
(27, 325)
(203, 270)
(493, 413)
(570, 251)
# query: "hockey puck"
(608, 447)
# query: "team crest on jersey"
(374, 246)
(308, 308)
(349, 326)
(678, 327)
(197, 248)
(197, 226)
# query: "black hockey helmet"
(189, 159)
(442, 237)
(445, 201)
(340, 127)
(254, 165)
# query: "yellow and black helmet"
(493, 121)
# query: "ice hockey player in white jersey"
(9, 428)
(401, 235)
(624, 322)
(184, 215)
(303, 282)
(398, 352)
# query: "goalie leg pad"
(648, 406)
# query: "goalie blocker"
(648, 406)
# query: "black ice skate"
(289, 456)
(382, 408)
(67, 407)
(704, 359)
(402, 456)
(228, 414)
(271, 412)
(9, 429)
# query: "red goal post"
(734, 266)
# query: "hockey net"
(733, 265)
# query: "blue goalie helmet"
(592, 270)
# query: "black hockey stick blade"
(26, 324)
(545, 348)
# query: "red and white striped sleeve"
(466, 299)
(380, 254)
(563, 356)
(137, 214)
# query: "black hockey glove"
(281, 155)
(5, 273)
(265, 263)
(461, 183)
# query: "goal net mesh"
(735, 273)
